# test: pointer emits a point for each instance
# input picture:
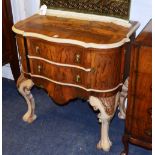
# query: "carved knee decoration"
(107, 107)
(24, 86)
(123, 97)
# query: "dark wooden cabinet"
(138, 128)
(9, 49)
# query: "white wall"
(24, 8)
(31, 7)
(18, 10)
(141, 10)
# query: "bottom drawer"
(60, 94)
(57, 74)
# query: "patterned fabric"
(116, 8)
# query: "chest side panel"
(139, 112)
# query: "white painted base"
(24, 86)
(106, 107)
(123, 100)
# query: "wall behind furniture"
(141, 10)
(20, 10)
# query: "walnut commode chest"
(71, 58)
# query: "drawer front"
(105, 65)
(61, 94)
(60, 75)
(61, 53)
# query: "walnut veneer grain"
(73, 58)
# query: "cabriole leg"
(24, 86)
(126, 145)
(107, 107)
(123, 97)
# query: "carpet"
(59, 130)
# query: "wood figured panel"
(60, 94)
(105, 71)
(143, 86)
(60, 74)
(141, 125)
(63, 94)
(108, 66)
(81, 30)
(61, 53)
(139, 110)
(144, 59)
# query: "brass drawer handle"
(77, 58)
(37, 50)
(78, 78)
(39, 68)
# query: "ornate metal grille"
(115, 8)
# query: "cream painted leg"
(107, 107)
(123, 97)
(24, 86)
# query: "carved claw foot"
(121, 115)
(123, 153)
(29, 119)
(107, 107)
(24, 86)
(104, 146)
(122, 100)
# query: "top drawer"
(61, 53)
